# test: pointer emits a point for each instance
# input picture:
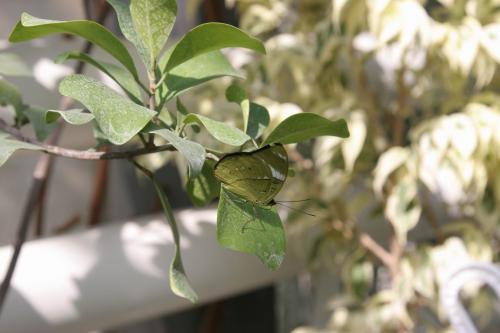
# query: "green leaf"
(255, 116)
(257, 120)
(192, 151)
(210, 37)
(249, 228)
(305, 126)
(9, 95)
(119, 118)
(73, 117)
(153, 21)
(122, 9)
(12, 65)
(9, 146)
(36, 117)
(31, 27)
(203, 68)
(179, 282)
(117, 73)
(204, 188)
(219, 130)
(236, 94)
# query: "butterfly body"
(255, 176)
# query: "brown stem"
(398, 127)
(376, 249)
(93, 155)
(36, 194)
(100, 189)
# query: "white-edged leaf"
(12, 65)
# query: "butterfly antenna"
(302, 200)
(295, 209)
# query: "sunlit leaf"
(122, 9)
(119, 118)
(73, 117)
(250, 228)
(219, 130)
(121, 76)
(210, 37)
(305, 126)
(31, 27)
(203, 68)
(192, 151)
(153, 21)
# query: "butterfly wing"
(256, 176)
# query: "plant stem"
(152, 100)
(95, 155)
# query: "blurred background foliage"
(415, 190)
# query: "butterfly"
(255, 176)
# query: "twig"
(100, 189)
(36, 194)
(94, 155)
(376, 249)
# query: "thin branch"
(37, 193)
(94, 155)
(376, 249)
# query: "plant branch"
(94, 155)
(38, 187)
(376, 249)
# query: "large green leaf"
(122, 9)
(219, 130)
(192, 151)
(117, 73)
(9, 146)
(203, 188)
(36, 117)
(249, 228)
(73, 117)
(203, 68)
(210, 37)
(31, 27)
(12, 65)
(305, 126)
(119, 118)
(153, 20)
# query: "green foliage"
(141, 116)
(153, 21)
(203, 188)
(210, 37)
(219, 130)
(192, 151)
(10, 146)
(119, 118)
(305, 126)
(31, 27)
(73, 117)
(251, 228)
(121, 76)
